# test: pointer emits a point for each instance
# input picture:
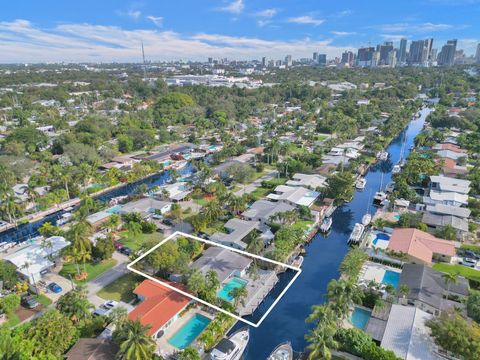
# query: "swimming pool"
(360, 318)
(233, 283)
(189, 332)
(392, 278)
(114, 209)
(397, 217)
(380, 236)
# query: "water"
(392, 278)
(286, 322)
(27, 231)
(360, 318)
(234, 283)
(189, 331)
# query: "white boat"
(330, 211)
(390, 187)
(66, 217)
(382, 155)
(326, 224)
(361, 183)
(366, 219)
(356, 233)
(231, 348)
(379, 198)
(297, 261)
(396, 169)
(283, 351)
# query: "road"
(257, 183)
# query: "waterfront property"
(311, 181)
(239, 230)
(380, 274)
(378, 239)
(421, 247)
(146, 207)
(265, 211)
(189, 331)
(294, 195)
(360, 317)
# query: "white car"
(110, 304)
(468, 262)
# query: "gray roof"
(444, 220)
(449, 210)
(428, 286)
(224, 262)
(448, 197)
(239, 229)
(407, 335)
(450, 154)
(311, 181)
(265, 210)
(144, 206)
(449, 184)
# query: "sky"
(33, 31)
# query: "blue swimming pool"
(233, 283)
(114, 209)
(380, 236)
(189, 332)
(397, 216)
(392, 278)
(360, 318)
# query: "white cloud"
(307, 20)
(344, 33)
(344, 13)
(157, 20)
(235, 7)
(96, 43)
(263, 23)
(268, 13)
(411, 27)
(394, 37)
(134, 14)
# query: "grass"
(201, 201)
(215, 227)
(135, 242)
(44, 300)
(121, 289)
(474, 248)
(464, 271)
(13, 320)
(93, 269)
(302, 224)
(260, 193)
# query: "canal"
(323, 256)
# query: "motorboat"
(366, 219)
(326, 224)
(356, 233)
(390, 187)
(297, 261)
(231, 348)
(361, 183)
(283, 351)
(379, 198)
(66, 217)
(396, 169)
(382, 155)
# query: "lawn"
(202, 201)
(134, 242)
(260, 193)
(121, 289)
(217, 226)
(302, 224)
(93, 269)
(13, 320)
(44, 300)
(464, 271)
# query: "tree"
(212, 211)
(473, 305)
(342, 295)
(47, 229)
(195, 281)
(189, 353)
(75, 305)
(104, 248)
(404, 290)
(241, 173)
(134, 342)
(10, 303)
(8, 274)
(449, 278)
(118, 316)
(239, 294)
(52, 333)
(321, 338)
(447, 232)
(339, 186)
(255, 243)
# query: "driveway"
(110, 275)
(257, 183)
(64, 283)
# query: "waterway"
(323, 256)
(27, 231)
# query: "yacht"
(283, 351)
(231, 348)
(326, 224)
(396, 169)
(382, 155)
(356, 233)
(361, 183)
(297, 261)
(366, 219)
(379, 198)
(66, 217)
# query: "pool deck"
(164, 348)
(376, 272)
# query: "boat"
(326, 224)
(396, 169)
(379, 198)
(390, 187)
(361, 183)
(356, 233)
(382, 155)
(366, 219)
(297, 261)
(283, 351)
(231, 348)
(66, 217)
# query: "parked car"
(468, 262)
(471, 254)
(118, 245)
(54, 287)
(110, 304)
(29, 302)
(125, 250)
(101, 312)
(167, 222)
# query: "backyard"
(461, 270)
(134, 242)
(121, 289)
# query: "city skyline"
(110, 31)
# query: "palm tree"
(449, 278)
(255, 243)
(239, 295)
(342, 295)
(134, 342)
(237, 204)
(213, 210)
(84, 256)
(404, 290)
(321, 338)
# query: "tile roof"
(159, 306)
(92, 349)
(419, 244)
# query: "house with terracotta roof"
(159, 307)
(421, 247)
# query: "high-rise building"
(288, 60)
(322, 59)
(315, 57)
(365, 56)
(264, 61)
(347, 57)
(210, 60)
(392, 58)
(419, 53)
(447, 54)
(477, 55)
(402, 51)
(383, 51)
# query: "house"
(441, 209)
(427, 289)
(446, 184)
(265, 211)
(451, 154)
(178, 191)
(420, 247)
(407, 335)
(224, 262)
(438, 222)
(294, 195)
(451, 169)
(311, 181)
(238, 230)
(450, 147)
(446, 198)
(146, 207)
(39, 257)
(98, 218)
(92, 349)
(159, 307)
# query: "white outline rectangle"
(179, 233)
